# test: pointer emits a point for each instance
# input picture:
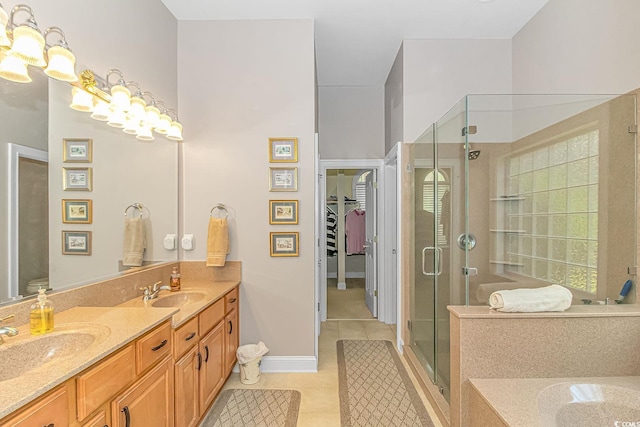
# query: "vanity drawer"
(50, 410)
(103, 381)
(99, 420)
(231, 300)
(210, 316)
(153, 347)
(185, 337)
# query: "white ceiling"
(357, 40)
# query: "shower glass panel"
(551, 193)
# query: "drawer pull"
(199, 361)
(232, 300)
(230, 327)
(127, 416)
(206, 351)
(49, 425)
(159, 346)
(190, 337)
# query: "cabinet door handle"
(206, 353)
(49, 425)
(199, 361)
(230, 327)
(159, 346)
(127, 416)
(190, 337)
(232, 300)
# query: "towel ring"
(136, 207)
(220, 207)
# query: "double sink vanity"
(159, 362)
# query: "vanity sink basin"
(178, 300)
(26, 353)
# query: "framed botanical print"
(283, 179)
(284, 150)
(77, 150)
(283, 212)
(77, 179)
(284, 244)
(77, 211)
(76, 242)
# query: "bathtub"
(561, 402)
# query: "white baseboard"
(342, 286)
(275, 364)
(348, 275)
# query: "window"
(554, 228)
(444, 190)
(360, 189)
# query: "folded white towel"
(135, 242)
(549, 298)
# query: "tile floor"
(320, 405)
(348, 303)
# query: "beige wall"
(242, 82)
(394, 103)
(351, 122)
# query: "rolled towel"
(217, 242)
(135, 242)
(549, 298)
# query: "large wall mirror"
(36, 119)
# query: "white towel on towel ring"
(548, 298)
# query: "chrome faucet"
(7, 330)
(151, 291)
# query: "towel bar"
(136, 207)
(220, 207)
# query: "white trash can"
(249, 360)
(250, 371)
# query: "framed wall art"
(77, 211)
(283, 179)
(77, 179)
(76, 242)
(284, 244)
(283, 212)
(283, 150)
(77, 150)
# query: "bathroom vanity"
(161, 362)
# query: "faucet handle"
(146, 290)
(156, 285)
(9, 317)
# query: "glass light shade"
(101, 111)
(164, 124)
(28, 45)
(4, 40)
(137, 109)
(152, 116)
(132, 126)
(81, 101)
(120, 98)
(175, 132)
(61, 64)
(13, 68)
(117, 119)
(144, 133)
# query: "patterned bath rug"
(375, 389)
(249, 408)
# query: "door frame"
(321, 256)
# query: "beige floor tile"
(306, 419)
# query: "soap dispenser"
(41, 318)
(175, 280)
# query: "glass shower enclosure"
(516, 191)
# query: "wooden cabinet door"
(186, 389)
(232, 338)
(51, 410)
(148, 402)
(212, 373)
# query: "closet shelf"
(509, 263)
(506, 198)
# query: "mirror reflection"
(46, 186)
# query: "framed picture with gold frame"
(76, 150)
(75, 211)
(284, 244)
(77, 179)
(76, 242)
(283, 212)
(283, 150)
(283, 179)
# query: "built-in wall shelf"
(506, 198)
(508, 231)
(508, 263)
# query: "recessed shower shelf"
(508, 263)
(509, 231)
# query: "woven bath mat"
(375, 389)
(248, 408)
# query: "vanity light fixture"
(28, 42)
(175, 131)
(81, 100)
(61, 61)
(120, 95)
(164, 121)
(4, 18)
(13, 68)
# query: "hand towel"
(135, 242)
(217, 242)
(549, 298)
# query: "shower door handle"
(438, 261)
(424, 258)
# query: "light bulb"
(101, 111)
(61, 64)
(81, 101)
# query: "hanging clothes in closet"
(355, 231)
(332, 223)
